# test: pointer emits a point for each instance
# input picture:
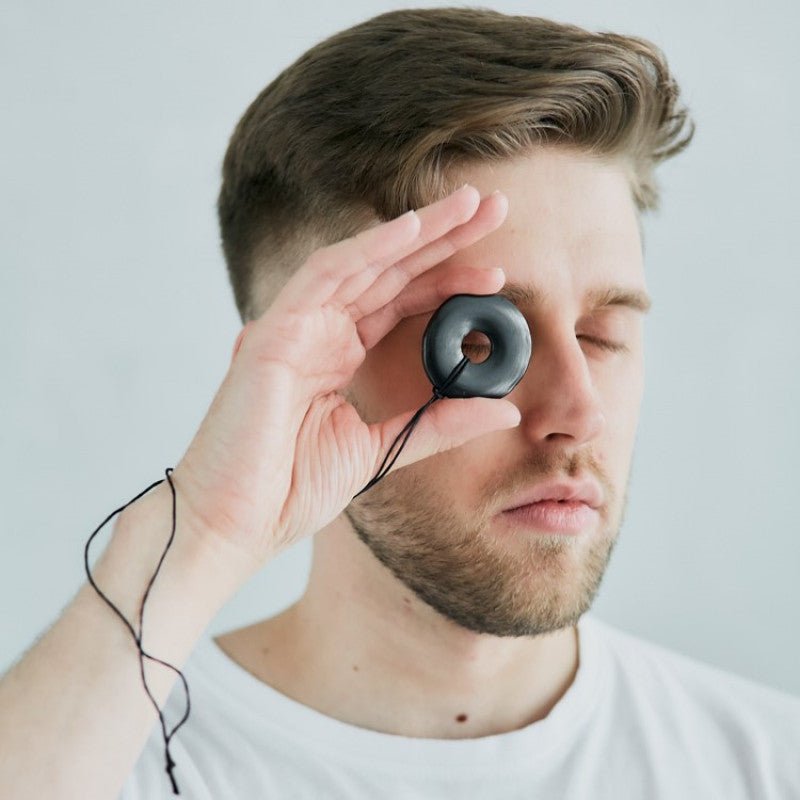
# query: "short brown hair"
(368, 123)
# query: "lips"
(583, 491)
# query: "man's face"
(571, 231)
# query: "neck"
(375, 656)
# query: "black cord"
(137, 636)
(412, 423)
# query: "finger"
(489, 216)
(437, 219)
(446, 424)
(426, 293)
(325, 269)
(365, 255)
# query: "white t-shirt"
(639, 721)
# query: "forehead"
(571, 227)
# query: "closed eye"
(604, 344)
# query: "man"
(442, 647)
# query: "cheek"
(624, 386)
(621, 392)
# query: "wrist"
(198, 575)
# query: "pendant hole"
(476, 346)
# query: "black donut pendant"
(509, 336)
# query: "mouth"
(552, 516)
(557, 506)
(586, 490)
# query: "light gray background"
(118, 320)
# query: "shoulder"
(682, 699)
(657, 665)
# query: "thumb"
(445, 424)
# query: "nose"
(557, 397)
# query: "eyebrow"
(603, 297)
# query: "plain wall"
(118, 320)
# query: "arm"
(74, 713)
(255, 479)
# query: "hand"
(281, 452)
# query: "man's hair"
(374, 120)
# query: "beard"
(504, 583)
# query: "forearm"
(74, 715)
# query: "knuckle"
(286, 331)
(293, 328)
